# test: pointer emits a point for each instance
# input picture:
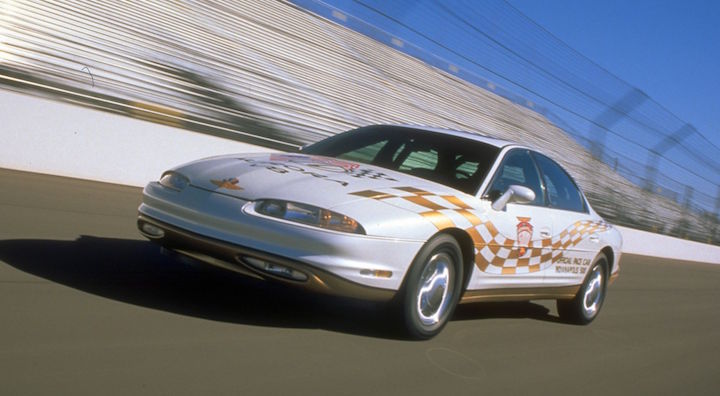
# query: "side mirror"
(514, 193)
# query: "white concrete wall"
(649, 244)
(45, 136)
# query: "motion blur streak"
(274, 74)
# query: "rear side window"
(562, 193)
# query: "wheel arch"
(610, 255)
(467, 248)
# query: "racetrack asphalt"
(88, 306)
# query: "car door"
(513, 253)
(574, 243)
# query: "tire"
(432, 287)
(586, 304)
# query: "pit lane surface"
(89, 307)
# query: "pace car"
(420, 217)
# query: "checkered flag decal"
(495, 253)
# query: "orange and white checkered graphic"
(495, 252)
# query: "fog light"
(275, 269)
(152, 231)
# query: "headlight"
(174, 180)
(308, 214)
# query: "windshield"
(454, 161)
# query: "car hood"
(320, 181)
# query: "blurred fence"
(280, 75)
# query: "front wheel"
(587, 302)
(432, 287)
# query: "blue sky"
(669, 49)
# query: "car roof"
(446, 131)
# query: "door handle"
(595, 238)
(545, 233)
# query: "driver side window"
(517, 168)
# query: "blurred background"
(281, 74)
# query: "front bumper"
(234, 258)
(213, 227)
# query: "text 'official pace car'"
(423, 217)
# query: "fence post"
(651, 170)
(610, 116)
(670, 141)
(689, 190)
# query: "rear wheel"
(432, 287)
(587, 302)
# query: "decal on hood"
(229, 184)
(330, 163)
(329, 169)
(494, 251)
